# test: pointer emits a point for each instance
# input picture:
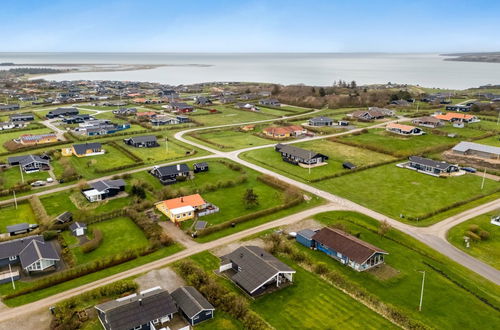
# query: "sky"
(249, 26)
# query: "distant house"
(348, 249)
(146, 114)
(254, 269)
(21, 117)
(84, 150)
(32, 253)
(459, 108)
(372, 113)
(20, 228)
(431, 167)
(457, 117)
(284, 132)
(403, 129)
(104, 189)
(270, 102)
(248, 128)
(168, 174)
(194, 307)
(321, 121)
(12, 125)
(298, 156)
(30, 163)
(33, 139)
(163, 120)
(78, 228)
(202, 101)
(125, 111)
(476, 150)
(76, 119)
(227, 99)
(146, 141)
(182, 208)
(401, 103)
(246, 106)
(62, 112)
(200, 167)
(427, 121)
(180, 107)
(9, 107)
(249, 96)
(147, 310)
(102, 129)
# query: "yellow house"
(83, 150)
(182, 208)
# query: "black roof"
(429, 162)
(64, 217)
(134, 310)
(104, 185)
(26, 159)
(81, 149)
(172, 169)
(201, 164)
(297, 152)
(61, 111)
(22, 115)
(307, 233)
(256, 266)
(321, 119)
(143, 139)
(18, 227)
(14, 247)
(36, 250)
(190, 301)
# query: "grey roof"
(75, 225)
(21, 115)
(143, 139)
(200, 225)
(200, 164)
(27, 159)
(172, 169)
(298, 152)
(430, 162)
(104, 185)
(465, 146)
(65, 217)
(307, 233)
(14, 247)
(18, 227)
(140, 309)
(190, 301)
(321, 119)
(60, 111)
(36, 250)
(81, 149)
(257, 267)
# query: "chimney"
(140, 301)
(182, 199)
(178, 167)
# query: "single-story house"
(76, 119)
(460, 108)
(125, 111)
(200, 167)
(182, 208)
(428, 121)
(104, 189)
(270, 102)
(9, 107)
(296, 156)
(30, 163)
(403, 129)
(305, 237)
(33, 139)
(432, 167)
(255, 269)
(12, 125)
(102, 129)
(32, 253)
(194, 307)
(180, 107)
(348, 249)
(202, 100)
(372, 113)
(146, 141)
(146, 310)
(84, 150)
(476, 149)
(284, 132)
(246, 106)
(20, 228)
(454, 117)
(168, 174)
(22, 117)
(321, 121)
(163, 120)
(146, 114)
(401, 103)
(62, 112)
(78, 228)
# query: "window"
(138, 327)
(196, 317)
(156, 321)
(12, 258)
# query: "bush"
(320, 268)
(484, 235)
(474, 228)
(93, 243)
(50, 234)
(473, 236)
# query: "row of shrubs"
(153, 231)
(33, 147)
(92, 244)
(18, 188)
(38, 210)
(278, 245)
(477, 234)
(126, 151)
(219, 296)
(232, 166)
(68, 313)
(32, 126)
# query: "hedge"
(94, 243)
(40, 214)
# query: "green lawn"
(393, 191)
(445, 304)
(9, 215)
(229, 115)
(337, 153)
(231, 138)
(165, 152)
(12, 176)
(112, 158)
(492, 141)
(485, 250)
(119, 234)
(14, 135)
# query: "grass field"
(161, 153)
(492, 141)
(488, 250)
(14, 135)
(119, 234)
(113, 157)
(9, 215)
(12, 176)
(445, 304)
(232, 138)
(393, 191)
(337, 153)
(230, 115)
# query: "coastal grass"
(485, 250)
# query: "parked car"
(50, 180)
(469, 169)
(38, 183)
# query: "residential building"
(431, 167)
(255, 270)
(146, 141)
(284, 132)
(180, 107)
(299, 156)
(477, 150)
(246, 106)
(76, 119)
(460, 108)
(321, 121)
(270, 102)
(125, 111)
(168, 174)
(84, 150)
(62, 112)
(372, 113)
(147, 310)
(20, 228)
(30, 163)
(403, 129)
(164, 120)
(12, 125)
(182, 208)
(33, 139)
(428, 121)
(348, 249)
(64, 217)
(78, 228)
(22, 117)
(192, 305)
(103, 189)
(9, 107)
(457, 117)
(202, 101)
(200, 167)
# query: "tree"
(384, 228)
(353, 84)
(250, 199)
(322, 92)
(138, 191)
(275, 90)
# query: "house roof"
(190, 301)
(201, 164)
(430, 162)
(13, 247)
(32, 137)
(191, 200)
(465, 146)
(297, 152)
(172, 169)
(427, 119)
(104, 185)
(450, 115)
(321, 119)
(350, 246)
(75, 225)
(18, 227)
(27, 159)
(36, 250)
(134, 310)
(256, 266)
(283, 129)
(404, 128)
(307, 233)
(143, 139)
(81, 149)
(64, 217)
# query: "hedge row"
(94, 243)
(126, 151)
(207, 141)
(153, 231)
(20, 187)
(38, 210)
(32, 126)
(219, 296)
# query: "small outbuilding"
(304, 237)
(194, 307)
(64, 218)
(78, 228)
(348, 166)
(19, 229)
(200, 167)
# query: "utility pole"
(484, 177)
(15, 200)
(422, 291)
(12, 278)
(309, 162)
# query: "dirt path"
(177, 234)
